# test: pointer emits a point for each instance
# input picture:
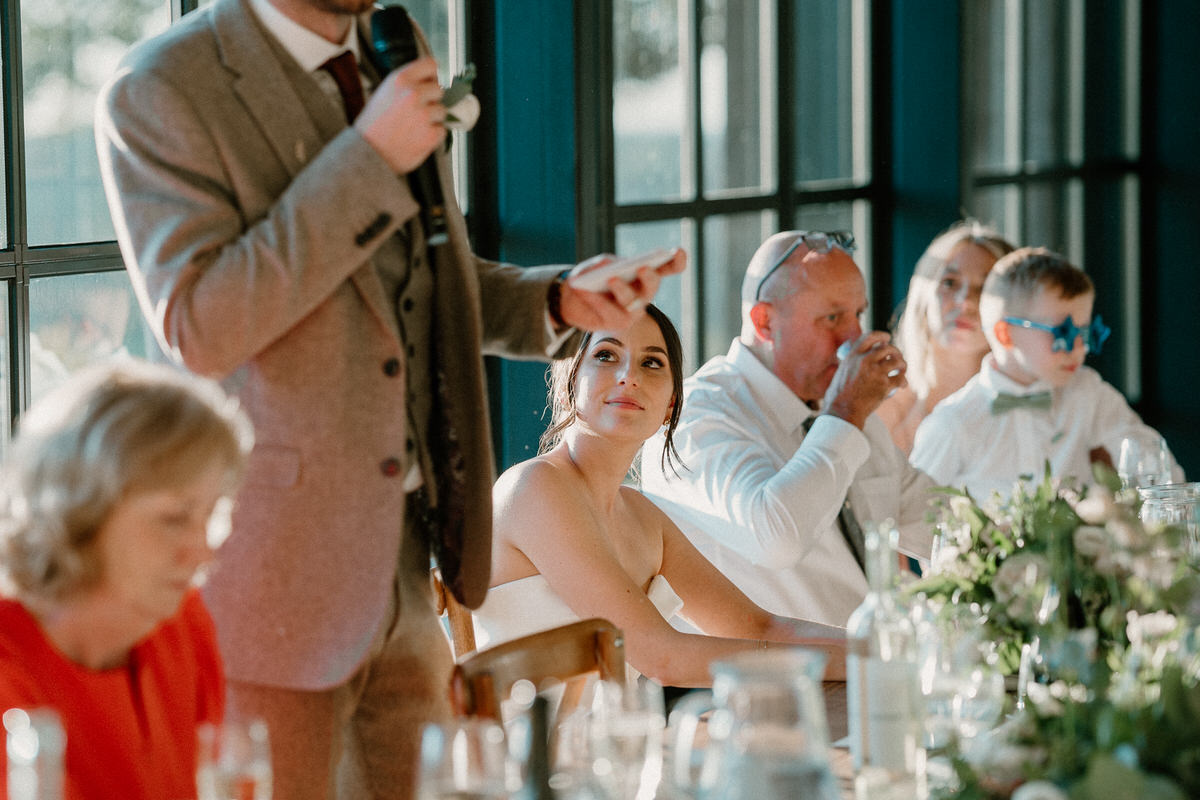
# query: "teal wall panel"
(926, 108)
(525, 205)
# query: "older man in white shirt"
(784, 458)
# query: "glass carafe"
(1175, 504)
(766, 737)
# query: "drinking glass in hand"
(464, 759)
(1143, 461)
(233, 761)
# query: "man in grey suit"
(279, 248)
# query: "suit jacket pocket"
(273, 466)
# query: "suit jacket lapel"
(297, 123)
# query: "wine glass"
(464, 758)
(963, 689)
(233, 760)
(627, 729)
(1144, 460)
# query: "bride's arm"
(715, 605)
(543, 514)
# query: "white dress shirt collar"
(788, 411)
(309, 49)
(996, 381)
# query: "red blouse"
(131, 731)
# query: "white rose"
(463, 115)
(1022, 575)
(1127, 535)
(1155, 569)
(1091, 541)
(1039, 790)
(960, 506)
(1097, 508)
(1150, 627)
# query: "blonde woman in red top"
(106, 507)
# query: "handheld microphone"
(394, 44)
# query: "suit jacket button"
(390, 467)
(391, 367)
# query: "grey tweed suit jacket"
(251, 219)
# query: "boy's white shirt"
(961, 443)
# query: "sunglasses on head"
(1066, 332)
(816, 242)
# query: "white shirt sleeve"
(935, 448)
(768, 513)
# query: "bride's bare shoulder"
(539, 475)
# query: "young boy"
(1033, 400)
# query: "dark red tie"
(344, 70)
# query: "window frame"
(599, 215)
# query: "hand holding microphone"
(404, 119)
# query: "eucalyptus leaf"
(460, 87)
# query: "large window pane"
(729, 241)
(677, 293)
(6, 378)
(829, 46)
(999, 207)
(737, 87)
(652, 131)
(990, 50)
(1113, 64)
(1045, 85)
(77, 320)
(68, 51)
(1053, 217)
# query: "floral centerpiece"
(1107, 606)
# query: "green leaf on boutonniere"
(460, 86)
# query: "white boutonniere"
(462, 107)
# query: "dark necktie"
(344, 70)
(846, 519)
(1004, 401)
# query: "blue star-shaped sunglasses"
(1066, 332)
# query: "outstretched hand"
(871, 371)
(621, 302)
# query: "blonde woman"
(106, 504)
(939, 331)
(572, 540)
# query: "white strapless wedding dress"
(528, 605)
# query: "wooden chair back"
(462, 627)
(570, 654)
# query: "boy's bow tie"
(1004, 401)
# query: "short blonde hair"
(1023, 274)
(912, 330)
(127, 425)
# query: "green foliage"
(1116, 713)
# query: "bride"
(572, 541)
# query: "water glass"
(963, 690)
(465, 759)
(233, 761)
(1175, 504)
(627, 724)
(1143, 461)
